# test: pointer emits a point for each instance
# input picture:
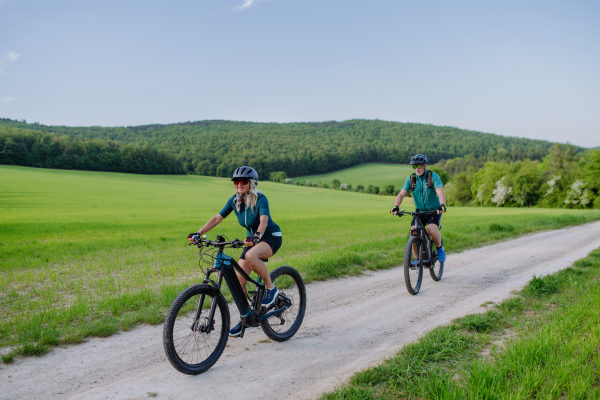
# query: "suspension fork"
(201, 301)
(213, 305)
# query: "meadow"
(90, 253)
(364, 174)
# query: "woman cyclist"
(263, 235)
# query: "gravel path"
(351, 323)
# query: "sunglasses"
(417, 166)
(237, 182)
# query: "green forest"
(216, 148)
(565, 178)
(50, 150)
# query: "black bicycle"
(196, 328)
(420, 243)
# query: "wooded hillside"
(217, 147)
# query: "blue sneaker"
(237, 330)
(414, 264)
(269, 296)
(441, 254)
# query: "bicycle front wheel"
(413, 275)
(194, 345)
(281, 327)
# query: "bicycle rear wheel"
(413, 276)
(281, 327)
(437, 268)
(189, 348)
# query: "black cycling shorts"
(273, 241)
(428, 219)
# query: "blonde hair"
(251, 197)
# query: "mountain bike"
(427, 254)
(197, 324)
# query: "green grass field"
(364, 174)
(89, 253)
(541, 344)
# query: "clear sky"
(517, 68)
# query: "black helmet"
(418, 159)
(245, 172)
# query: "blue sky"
(528, 69)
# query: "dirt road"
(351, 323)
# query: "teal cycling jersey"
(250, 219)
(426, 199)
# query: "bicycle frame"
(226, 267)
(425, 239)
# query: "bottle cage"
(428, 180)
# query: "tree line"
(565, 178)
(46, 150)
(216, 148)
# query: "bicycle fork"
(209, 323)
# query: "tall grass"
(89, 253)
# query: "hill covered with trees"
(217, 147)
(50, 150)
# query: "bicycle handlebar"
(198, 241)
(402, 212)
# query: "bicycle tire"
(413, 276)
(185, 350)
(283, 326)
(436, 269)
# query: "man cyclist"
(428, 195)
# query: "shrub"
(279, 176)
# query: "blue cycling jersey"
(250, 219)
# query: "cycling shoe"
(441, 254)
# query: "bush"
(279, 176)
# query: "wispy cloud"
(12, 56)
(7, 99)
(248, 4)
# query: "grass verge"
(543, 343)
